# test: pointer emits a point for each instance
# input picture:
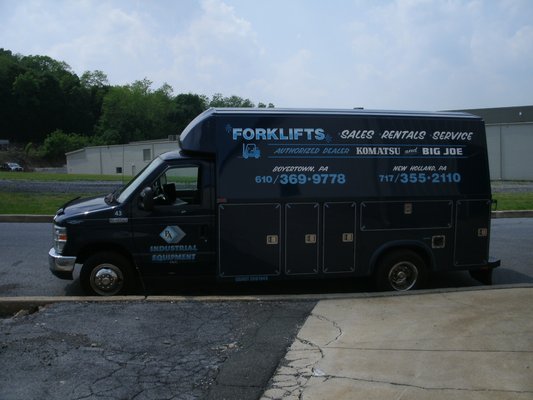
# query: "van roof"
(198, 136)
(335, 111)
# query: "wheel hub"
(400, 277)
(107, 279)
(403, 276)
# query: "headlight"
(60, 238)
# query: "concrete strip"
(513, 214)
(468, 345)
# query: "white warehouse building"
(509, 141)
(120, 159)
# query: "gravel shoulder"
(101, 187)
(512, 186)
(75, 187)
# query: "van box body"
(333, 189)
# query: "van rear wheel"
(106, 274)
(401, 271)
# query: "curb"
(512, 214)
(11, 305)
(49, 218)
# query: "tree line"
(44, 105)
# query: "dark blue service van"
(266, 194)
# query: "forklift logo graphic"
(250, 150)
(172, 234)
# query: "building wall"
(510, 151)
(493, 147)
(85, 161)
(121, 160)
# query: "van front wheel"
(401, 271)
(106, 274)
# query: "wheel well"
(421, 251)
(94, 248)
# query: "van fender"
(415, 245)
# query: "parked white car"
(12, 167)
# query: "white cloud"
(426, 54)
(292, 82)
(109, 37)
(216, 52)
(433, 55)
(87, 35)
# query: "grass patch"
(33, 203)
(51, 177)
(514, 201)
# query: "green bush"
(58, 143)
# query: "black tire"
(107, 274)
(401, 270)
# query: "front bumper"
(61, 266)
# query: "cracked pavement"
(140, 350)
(458, 345)
(470, 345)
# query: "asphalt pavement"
(146, 350)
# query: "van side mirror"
(146, 200)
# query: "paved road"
(24, 262)
(512, 242)
(24, 265)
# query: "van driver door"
(176, 237)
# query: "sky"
(376, 54)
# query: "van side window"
(177, 186)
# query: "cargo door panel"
(339, 237)
(301, 238)
(249, 239)
(472, 232)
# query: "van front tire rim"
(107, 279)
(403, 276)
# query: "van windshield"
(132, 185)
